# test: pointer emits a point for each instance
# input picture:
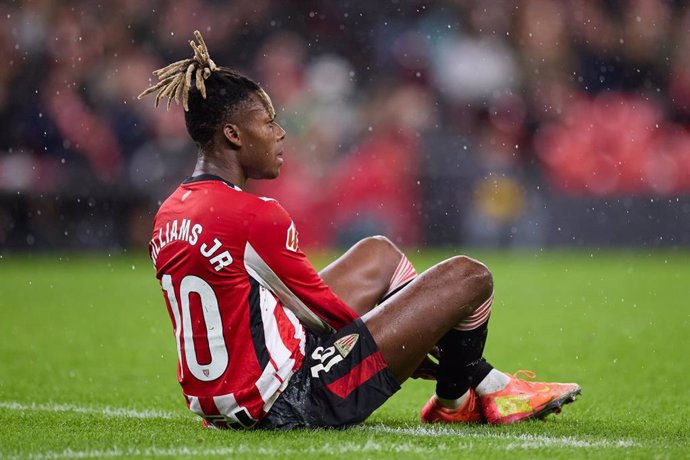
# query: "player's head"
(214, 98)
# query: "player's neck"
(216, 165)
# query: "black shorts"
(343, 379)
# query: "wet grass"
(87, 364)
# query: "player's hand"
(428, 368)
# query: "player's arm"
(273, 256)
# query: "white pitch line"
(459, 438)
(106, 411)
(326, 449)
(520, 441)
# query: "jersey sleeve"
(273, 256)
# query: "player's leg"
(362, 277)
(367, 272)
(371, 271)
(410, 323)
(449, 304)
(462, 369)
(375, 268)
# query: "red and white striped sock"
(403, 274)
(479, 317)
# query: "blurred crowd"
(445, 122)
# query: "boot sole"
(555, 405)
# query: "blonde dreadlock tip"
(185, 101)
(158, 98)
(179, 88)
(164, 71)
(172, 71)
(194, 46)
(175, 90)
(188, 77)
(147, 91)
(167, 92)
(167, 107)
(198, 36)
(200, 83)
(175, 80)
(169, 87)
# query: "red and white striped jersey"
(239, 292)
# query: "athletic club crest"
(345, 344)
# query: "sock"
(478, 317)
(453, 403)
(461, 365)
(494, 381)
(403, 274)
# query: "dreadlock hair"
(217, 93)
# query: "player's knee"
(379, 241)
(473, 272)
(383, 257)
(383, 248)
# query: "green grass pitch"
(87, 365)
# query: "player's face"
(262, 143)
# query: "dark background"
(478, 123)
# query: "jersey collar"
(204, 177)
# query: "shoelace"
(529, 374)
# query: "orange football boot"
(523, 400)
(470, 412)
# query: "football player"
(266, 341)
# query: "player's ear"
(232, 135)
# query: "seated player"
(264, 340)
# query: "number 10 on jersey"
(182, 317)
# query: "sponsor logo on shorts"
(344, 345)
